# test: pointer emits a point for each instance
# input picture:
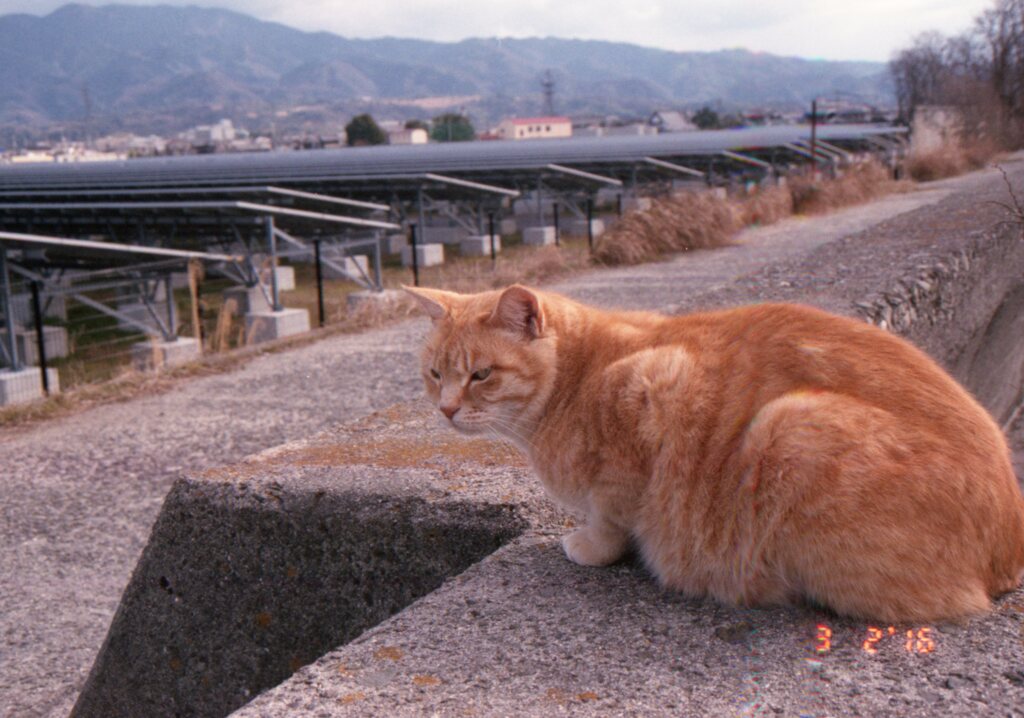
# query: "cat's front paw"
(589, 547)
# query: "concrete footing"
(285, 278)
(636, 204)
(267, 326)
(354, 266)
(539, 236)
(578, 227)
(393, 243)
(247, 299)
(479, 246)
(161, 354)
(427, 255)
(25, 385)
(55, 342)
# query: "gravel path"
(79, 494)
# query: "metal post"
(540, 202)
(319, 281)
(415, 261)
(590, 223)
(376, 262)
(37, 309)
(490, 229)
(272, 246)
(814, 139)
(12, 341)
(618, 203)
(558, 233)
(172, 309)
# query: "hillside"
(163, 68)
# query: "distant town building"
(535, 128)
(671, 121)
(402, 136)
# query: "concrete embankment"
(258, 568)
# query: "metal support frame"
(271, 236)
(11, 348)
(362, 279)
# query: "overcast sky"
(829, 29)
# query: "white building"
(534, 128)
(414, 136)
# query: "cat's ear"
(520, 311)
(435, 302)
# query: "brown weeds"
(690, 220)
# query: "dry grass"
(696, 220)
(858, 184)
(951, 160)
(691, 220)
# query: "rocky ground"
(78, 495)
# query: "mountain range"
(163, 68)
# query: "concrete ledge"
(257, 569)
(285, 278)
(158, 355)
(267, 326)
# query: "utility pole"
(548, 85)
(814, 138)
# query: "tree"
(364, 130)
(451, 127)
(706, 119)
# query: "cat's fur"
(767, 454)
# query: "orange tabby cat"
(766, 454)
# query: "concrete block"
(256, 569)
(506, 226)
(528, 206)
(55, 342)
(354, 266)
(441, 235)
(479, 246)
(247, 299)
(578, 227)
(159, 355)
(393, 243)
(427, 255)
(285, 278)
(539, 236)
(636, 204)
(370, 298)
(25, 385)
(53, 306)
(267, 326)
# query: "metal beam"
(664, 164)
(479, 186)
(114, 248)
(747, 159)
(803, 152)
(561, 169)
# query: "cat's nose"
(449, 411)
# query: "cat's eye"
(481, 374)
(436, 374)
